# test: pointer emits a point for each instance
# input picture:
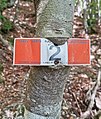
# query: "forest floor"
(82, 94)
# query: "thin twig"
(95, 90)
(91, 104)
(35, 9)
(77, 102)
(89, 92)
(16, 10)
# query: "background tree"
(46, 84)
(90, 11)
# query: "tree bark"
(46, 84)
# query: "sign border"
(50, 64)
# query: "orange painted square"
(27, 51)
(78, 51)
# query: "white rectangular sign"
(41, 51)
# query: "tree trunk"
(46, 84)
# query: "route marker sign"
(78, 51)
(41, 51)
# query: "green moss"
(6, 26)
(3, 4)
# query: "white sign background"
(49, 50)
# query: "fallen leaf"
(98, 102)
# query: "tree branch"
(16, 9)
(91, 104)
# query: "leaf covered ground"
(82, 79)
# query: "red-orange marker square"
(27, 51)
(78, 51)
